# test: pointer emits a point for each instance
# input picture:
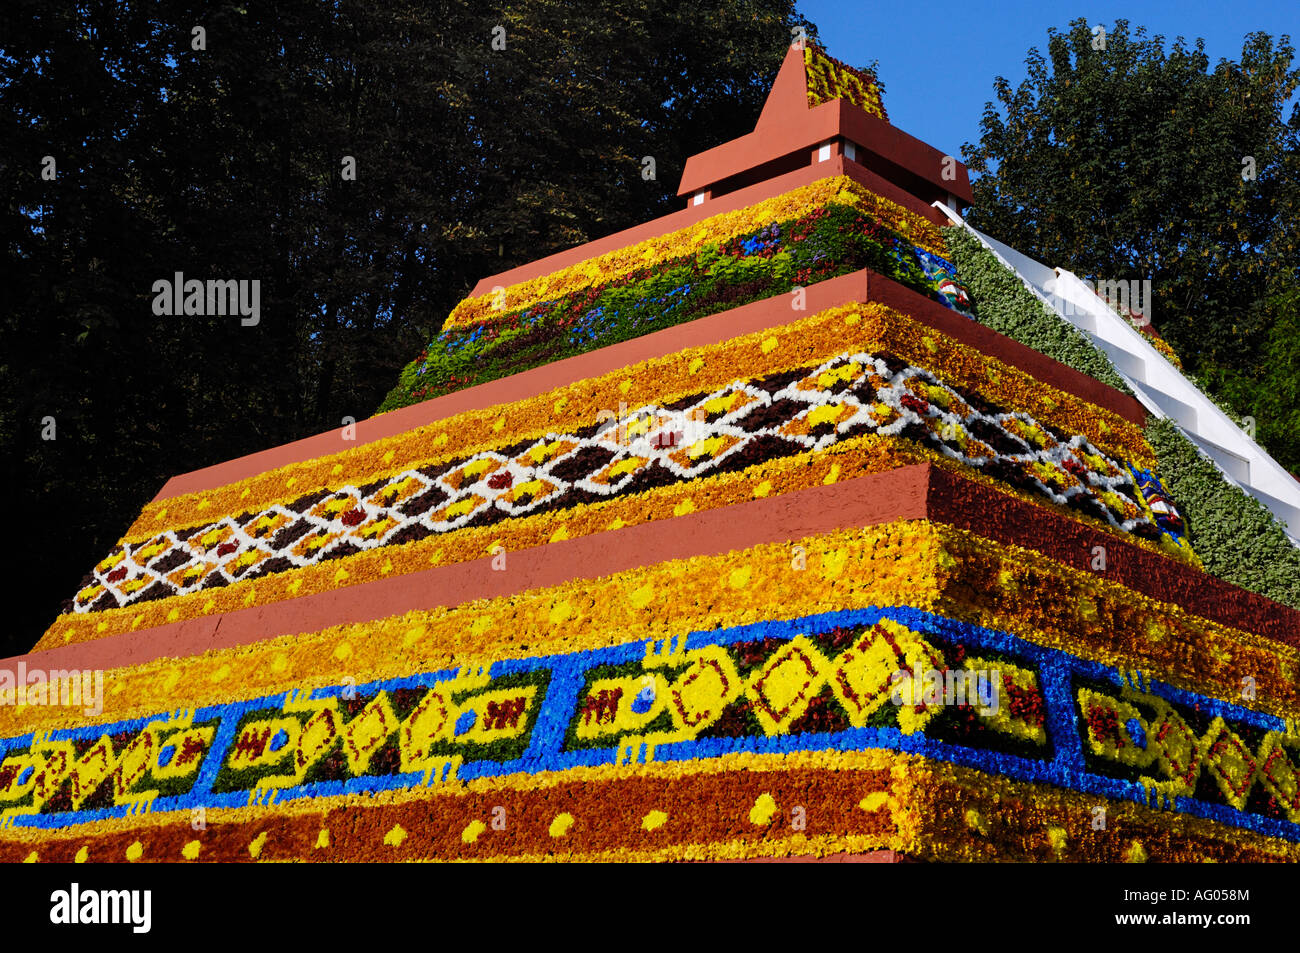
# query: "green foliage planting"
(1005, 305)
(1235, 535)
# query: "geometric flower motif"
(365, 734)
(1279, 774)
(1177, 749)
(786, 683)
(1230, 763)
(704, 689)
(863, 678)
(848, 394)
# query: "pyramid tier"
(659, 686)
(849, 390)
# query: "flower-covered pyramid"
(735, 534)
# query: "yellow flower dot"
(833, 475)
(472, 830)
(209, 605)
(640, 598)
(244, 495)
(874, 801)
(739, 578)
(135, 852)
(624, 387)
(684, 507)
(763, 489)
(1136, 853)
(976, 821)
(323, 839)
(695, 365)
(395, 836)
(763, 810)
(173, 615)
(617, 524)
(560, 612)
(256, 845)
(191, 850)
(338, 469)
(81, 855)
(560, 826)
(770, 345)
(31, 858)
(1056, 837)
(852, 320)
(560, 534)
(219, 674)
(412, 636)
(833, 562)
(343, 651)
(340, 576)
(500, 425)
(280, 663)
(388, 457)
(654, 820)
(387, 567)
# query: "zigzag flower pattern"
(745, 422)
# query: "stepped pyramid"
(737, 534)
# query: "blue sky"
(938, 58)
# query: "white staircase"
(1160, 386)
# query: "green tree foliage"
(1128, 161)
(227, 162)
(1269, 389)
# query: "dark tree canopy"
(226, 163)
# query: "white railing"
(1157, 383)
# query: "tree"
(227, 161)
(1119, 158)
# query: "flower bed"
(824, 683)
(921, 564)
(721, 228)
(829, 241)
(802, 411)
(830, 79)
